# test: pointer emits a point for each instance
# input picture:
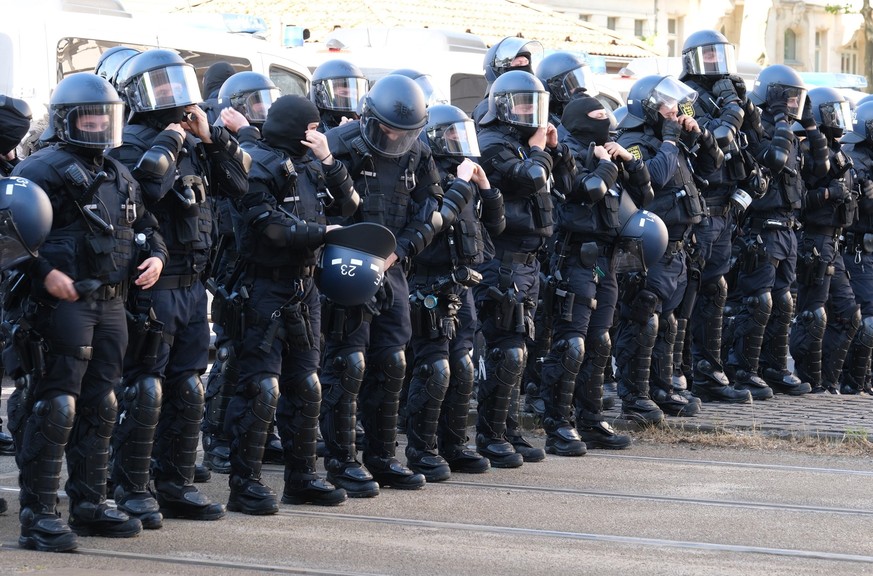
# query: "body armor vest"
(595, 220)
(785, 193)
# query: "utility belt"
(674, 246)
(434, 315)
(109, 292)
(757, 225)
(717, 211)
(508, 258)
(176, 282)
(445, 277)
(290, 324)
(831, 231)
(280, 273)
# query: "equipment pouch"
(754, 255)
(99, 254)
(811, 268)
(298, 333)
(588, 253)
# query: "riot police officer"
(520, 154)
(213, 79)
(659, 130)
(827, 315)
(566, 76)
(283, 222)
(337, 87)
(365, 345)
(769, 245)
(441, 304)
(80, 281)
(858, 250)
(179, 159)
(511, 53)
(709, 67)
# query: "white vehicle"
(40, 44)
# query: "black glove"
(837, 190)
(671, 131)
(725, 90)
(807, 120)
(779, 109)
(739, 86)
(867, 189)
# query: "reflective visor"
(574, 81)
(12, 248)
(456, 139)
(341, 94)
(509, 48)
(712, 59)
(170, 87)
(432, 96)
(95, 125)
(391, 142)
(836, 115)
(671, 92)
(628, 256)
(527, 108)
(793, 96)
(254, 105)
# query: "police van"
(43, 41)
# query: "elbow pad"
(593, 188)
(337, 178)
(776, 156)
(420, 234)
(305, 235)
(818, 149)
(454, 201)
(532, 172)
(639, 181)
(155, 163)
(493, 212)
(711, 147)
(223, 141)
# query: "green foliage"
(837, 9)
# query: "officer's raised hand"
(601, 153)
(538, 139)
(149, 272)
(317, 142)
(60, 286)
(617, 151)
(233, 120)
(197, 123)
(688, 124)
(551, 136)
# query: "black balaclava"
(526, 68)
(286, 124)
(215, 76)
(584, 128)
(13, 128)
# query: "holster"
(298, 332)
(145, 333)
(811, 268)
(754, 254)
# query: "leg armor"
(140, 408)
(748, 329)
(588, 394)
(806, 345)
(503, 371)
(339, 405)
(452, 428)
(774, 360)
(706, 330)
(220, 385)
(379, 404)
(838, 336)
(88, 451)
(858, 359)
(427, 391)
(559, 381)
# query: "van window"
(289, 82)
(467, 90)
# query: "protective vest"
(785, 193)
(819, 212)
(596, 220)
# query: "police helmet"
(111, 60)
(159, 79)
(518, 98)
(779, 83)
(25, 220)
(249, 93)
(432, 95)
(498, 59)
(393, 115)
(649, 94)
(642, 239)
(85, 110)
(351, 265)
(862, 125)
(564, 74)
(864, 100)
(450, 132)
(831, 110)
(708, 53)
(337, 85)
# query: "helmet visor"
(794, 98)
(712, 60)
(340, 94)
(526, 108)
(575, 81)
(836, 115)
(432, 96)
(388, 141)
(254, 105)
(670, 93)
(95, 125)
(12, 248)
(628, 256)
(455, 139)
(512, 48)
(170, 87)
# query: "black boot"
(379, 404)
(426, 392)
(503, 369)
(838, 337)
(588, 397)
(175, 452)
(713, 385)
(452, 427)
(43, 436)
(601, 435)
(341, 382)
(747, 336)
(633, 351)
(774, 357)
(219, 390)
(559, 381)
(132, 439)
(249, 429)
(297, 423)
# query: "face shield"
(510, 48)
(524, 108)
(95, 125)
(387, 141)
(712, 60)
(432, 96)
(669, 94)
(455, 139)
(340, 94)
(628, 256)
(254, 105)
(574, 81)
(13, 250)
(170, 87)
(836, 115)
(794, 98)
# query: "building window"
(849, 59)
(611, 22)
(585, 17)
(671, 25)
(672, 40)
(639, 26)
(790, 51)
(821, 43)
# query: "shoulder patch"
(686, 109)
(636, 152)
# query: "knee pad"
(643, 307)
(189, 398)
(599, 348)
(783, 304)
(667, 327)
(716, 292)
(435, 376)
(865, 332)
(815, 322)
(56, 416)
(572, 352)
(264, 396)
(351, 369)
(393, 367)
(142, 400)
(760, 307)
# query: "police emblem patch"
(636, 152)
(686, 109)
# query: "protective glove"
(671, 131)
(739, 86)
(725, 90)
(807, 120)
(837, 190)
